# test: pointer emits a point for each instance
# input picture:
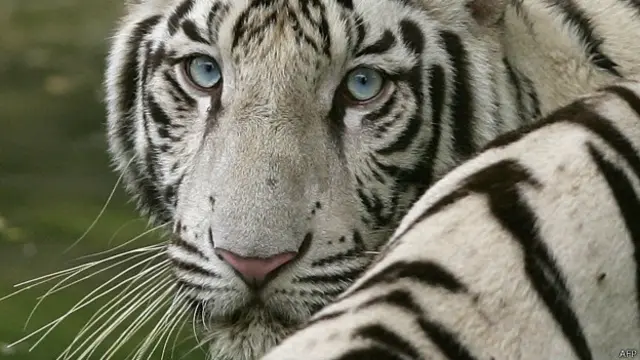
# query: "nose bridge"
(264, 186)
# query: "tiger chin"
(282, 141)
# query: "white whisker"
(141, 320)
(160, 330)
(81, 304)
(119, 229)
(45, 278)
(177, 326)
(119, 317)
(104, 208)
(172, 317)
(41, 280)
(58, 287)
(204, 321)
(177, 336)
(199, 343)
(146, 232)
(144, 289)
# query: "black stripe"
(336, 126)
(437, 86)
(190, 29)
(177, 16)
(425, 272)
(325, 317)
(500, 183)
(377, 175)
(154, 198)
(384, 111)
(181, 94)
(361, 29)
(400, 299)
(634, 4)
(347, 4)
(580, 21)
(503, 173)
(193, 268)
(323, 26)
(158, 116)
(462, 100)
(127, 84)
(578, 113)
(189, 248)
(300, 33)
(413, 38)
(515, 82)
(384, 337)
(200, 288)
(422, 174)
(386, 42)
(357, 240)
(346, 276)
(514, 214)
(630, 97)
(154, 59)
(373, 206)
(169, 190)
(446, 341)
(370, 352)
(148, 176)
(350, 254)
(628, 203)
(210, 238)
(533, 98)
(149, 195)
(213, 15)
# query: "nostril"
(252, 269)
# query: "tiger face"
(283, 140)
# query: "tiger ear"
(486, 12)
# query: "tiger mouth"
(256, 305)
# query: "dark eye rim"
(186, 71)
(346, 94)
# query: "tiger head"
(283, 140)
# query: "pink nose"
(255, 270)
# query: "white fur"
(548, 51)
(273, 126)
(580, 223)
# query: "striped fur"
(530, 250)
(276, 160)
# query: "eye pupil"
(203, 72)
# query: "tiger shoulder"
(530, 250)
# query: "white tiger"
(530, 250)
(284, 140)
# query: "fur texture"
(277, 159)
(531, 250)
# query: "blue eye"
(203, 71)
(363, 84)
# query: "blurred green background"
(54, 171)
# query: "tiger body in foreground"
(530, 250)
(284, 140)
